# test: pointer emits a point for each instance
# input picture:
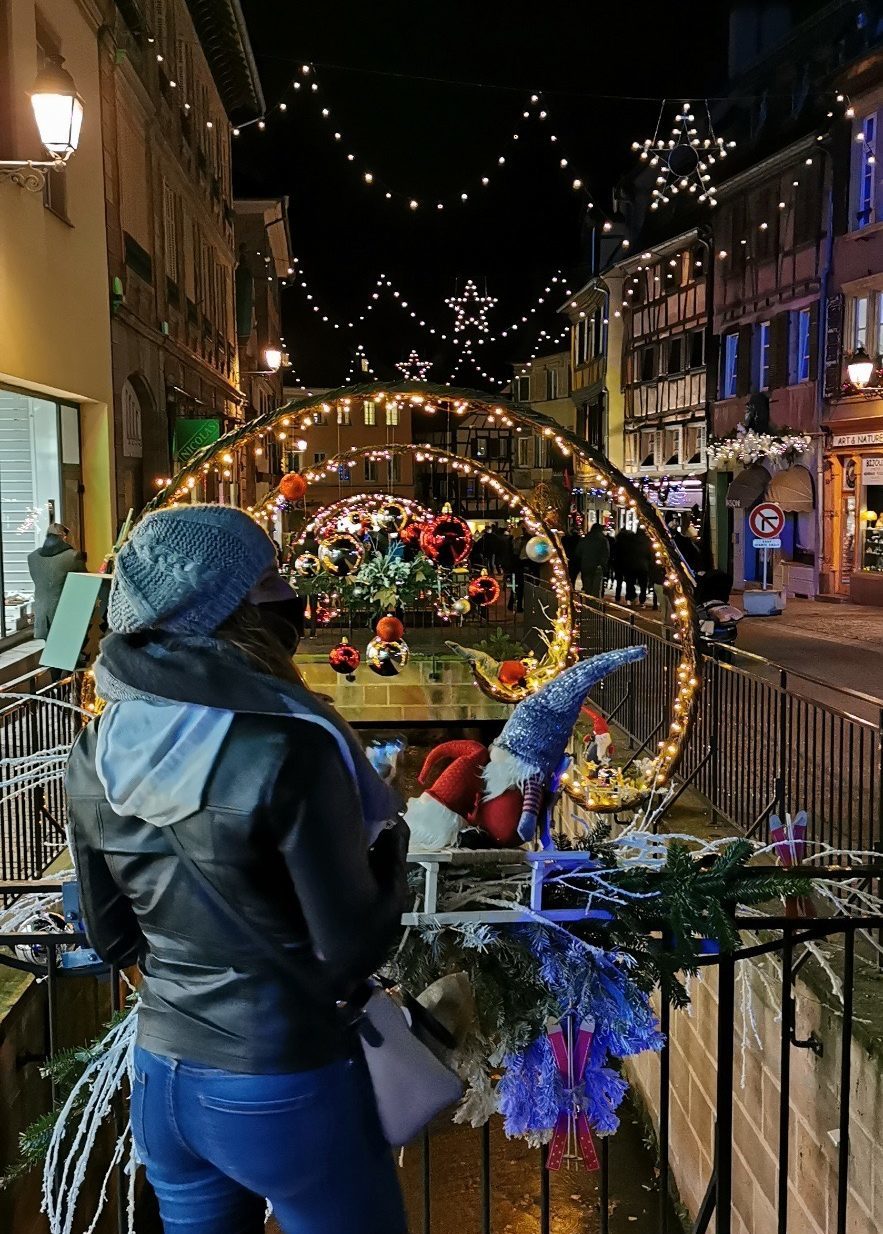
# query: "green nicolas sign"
(192, 435)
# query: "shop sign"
(192, 435)
(857, 439)
(872, 471)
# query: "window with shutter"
(814, 341)
(730, 374)
(801, 342)
(762, 350)
(778, 352)
(833, 345)
(743, 375)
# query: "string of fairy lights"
(534, 116)
(470, 327)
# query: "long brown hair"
(255, 638)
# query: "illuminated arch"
(559, 652)
(296, 417)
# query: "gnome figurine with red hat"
(506, 790)
(529, 752)
(599, 744)
(438, 815)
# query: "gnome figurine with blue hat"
(529, 752)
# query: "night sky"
(432, 138)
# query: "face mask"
(285, 620)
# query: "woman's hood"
(154, 759)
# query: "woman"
(248, 1084)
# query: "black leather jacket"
(280, 835)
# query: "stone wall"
(410, 696)
(83, 1007)
(814, 1103)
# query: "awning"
(747, 489)
(793, 490)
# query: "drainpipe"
(824, 283)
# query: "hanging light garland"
(413, 368)
(305, 84)
(683, 161)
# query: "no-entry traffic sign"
(767, 520)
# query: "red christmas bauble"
(411, 533)
(390, 629)
(512, 673)
(324, 615)
(446, 540)
(484, 590)
(292, 486)
(344, 658)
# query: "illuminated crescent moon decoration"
(592, 468)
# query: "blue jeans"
(217, 1144)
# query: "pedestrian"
(49, 565)
(641, 562)
(505, 551)
(214, 769)
(688, 547)
(520, 562)
(623, 562)
(590, 559)
(493, 548)
(660, 595)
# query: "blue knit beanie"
(186, 569)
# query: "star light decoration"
(683, 160)
(413, 368)
(470, 309)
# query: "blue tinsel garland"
(588, 983)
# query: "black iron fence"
(456, 1179)
(766, 740)
(36, 733)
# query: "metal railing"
(766, 739)
(32, 804)
(433, 1174)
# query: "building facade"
(771, 240)
(339, 428)
(180, 72)
(853, 419)
(664, 309)
(263, 266)
(56, 397)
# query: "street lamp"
(860, 368)
(58, 111)
(273, 358)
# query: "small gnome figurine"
(436, 817)
(530, 750)
(599, 746)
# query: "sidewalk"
(840, 644)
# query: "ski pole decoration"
(789, 838)
(789, 845)
(572, 1137)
